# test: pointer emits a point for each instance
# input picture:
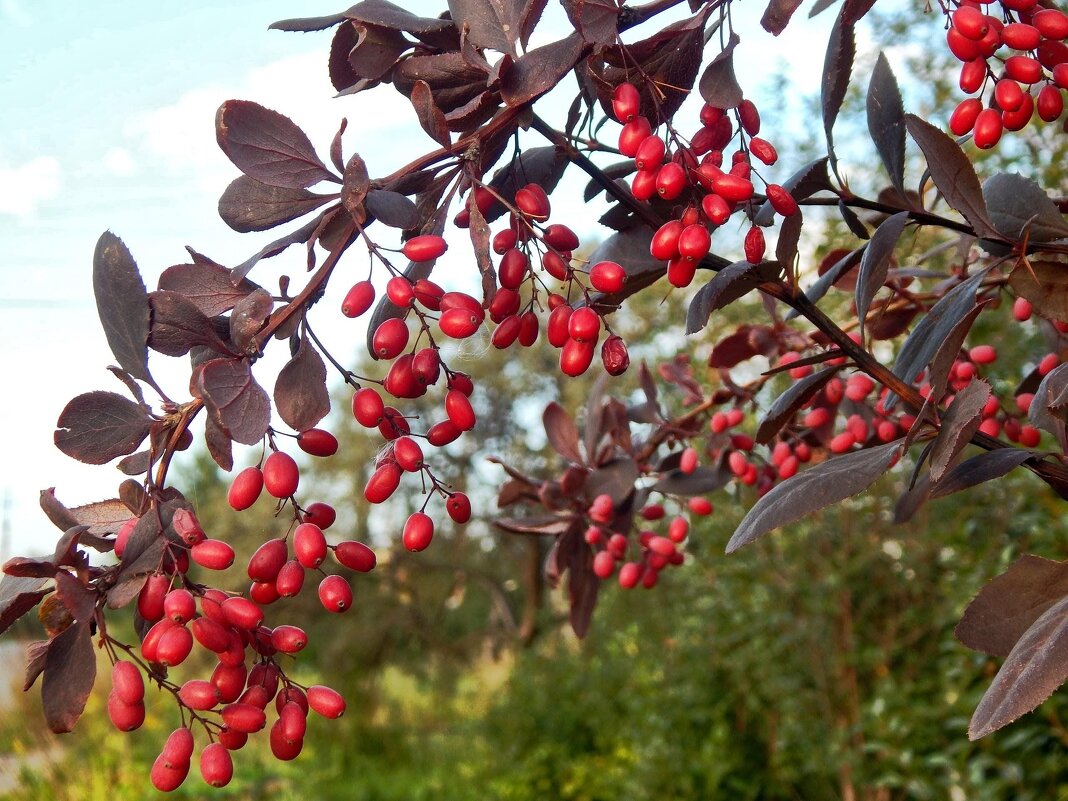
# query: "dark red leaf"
(453, 81)
(827, 483)
(122, 304)
(597, 21)
(959, 423)
(1036, 666)
(536, 72)
(268, 146)
(1010, 604)
(948, 351)
(392, 209)
(615, 479)
(99, 426)
(248, 205)
(854, 10)
(206, 286)
(886, 121)
(582, 589)
(382, 12)
(789, 402)
(69, 675)
(837, 65)
(786, 244)
(492, 24)
(875, 264)
(17, 597)
(1018, 208)
(952, 173)
(701, 481)
(777, 15)
(430, 117)
(178, 325)
(219, 445)
(101, 517)
(922, 344)
(983, 467)
(532, 11)
(335, 146)
(248, 318)
(36, 652)
(719, 85)
(300, 393)
(726, 286)
(1048, 407)
(734, 349)
(562, 432)
(307, 24)
(376, 50)
(24, 567)
(544, 525)
(1045, 284)
(342, 76)
(239, 405)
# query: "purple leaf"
(597, 21)
(219, 444)
(1010, 604)
(248, 205)
(1036, 666)
(268, 146)
(536, 72)
(615, 479)
(302, 234)
(719, 85)
(248, 318)
(875, 264)
(206, 286)
(122, 304)
(452, 81)
(562, 432)
(307, 24)
(300, 393)
(17, 597)
(382, 12)
(543, 525)
(1045, 284)
(953, 174)
(1048, 407)
(1018, 208)
(700, 482)
(727, 286)
(837, 64)
(886, 121)
(392, 209)
(354, 190)
(178, 325)
(376, 50)
(788, 403)
(430, 117)
(491, 24)
(959, 423)
(239, 405)
(100, 426)
(777, 15)
(827, 483)
(69, 675)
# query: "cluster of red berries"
(231, 704)
(1029, 79)
(693, 176)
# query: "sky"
(109, 125)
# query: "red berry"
(424, 248)
(123, 716)
(749, 116)
(604, 564)
(382, 483)
(459, 323)
(326, 701)
(321, 514)
(732, 188)
(1051, 23)
(458, 408)
(317, 442)
(127, 683)
(528, 329)
(199, 694)
(459, 507)
(244, 717)
(290, 579)
(506, 333)
(629, 575)
(309, 545)
(441, 434)
(359, 299)
(1050, 103)
(400, 291)
(533, 202)
(983, 354)
(633, 134)
(970, 22)
(665, 242)
(288, 639)
(211, 634)
(232, 740)
(367, 407)
(242, 613)
(268, 560)
(561, 238)
(212, 554)
(216, 766)
(576, 357)
(972, 75)
(151, 597)
(335, 594)
(1030, 436)
(607, 276)
(174, 646)
(280, 474)
(179, 605)
(754, 245)
(513, 269)
(418, 531)
(553, 263)
(390, 338)
(988, 128)
(584, 325)
(671, 180)
(688, 462)
(1022, 309)
(556, 331)
(165, 777)
(626, 102)
(962, 120)
(763, 150)
(694, 242)
(614, 355)
(355, 556)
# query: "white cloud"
(13, 12)
(25, 186)
(119, 161)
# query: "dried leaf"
(122, 304)
(1018, 208)
(248, 318)
(952, 173)
(69, 675)
(829, 482)
(886, 121)
(97, 427)
(300, 393)
(875, 264)
(431, 118)
(355, 187)
(268, 146)
(536, 72)
(240, 405)
(788, 403)
(960, 422)
(1036, 666)
(248, 205)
